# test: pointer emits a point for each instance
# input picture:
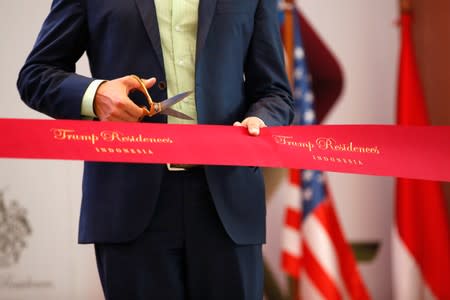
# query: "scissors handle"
(153, 107)
(157, 107)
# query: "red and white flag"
(421, 236)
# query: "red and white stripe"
(421, 237)
(408, 281)
(420, 242)
(316, 252)
(291, 253)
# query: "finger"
(124, 109)
(133, 82)
(150, 82)
(253, 130)
(253, 126)
(127, 113)
(132, 110)
(237, 123)
(119, 119)
(119, 116)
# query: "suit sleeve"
(266, 83)
(47, 82)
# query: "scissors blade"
(173, 100)
(166, 104)
(175, 113)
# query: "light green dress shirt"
(177, 21)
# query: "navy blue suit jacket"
(239, 73)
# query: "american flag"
(314, 250)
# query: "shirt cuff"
(87, 103)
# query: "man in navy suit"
(193, 233)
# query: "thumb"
(133, 82)
(149, 82)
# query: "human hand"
(112, 103)
(253, 125)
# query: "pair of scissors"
(164, 106)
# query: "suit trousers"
(184, 253)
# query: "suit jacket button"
(162, 85)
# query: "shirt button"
(181, 62)
(178, 28)
(162, 85)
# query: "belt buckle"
(173, 168)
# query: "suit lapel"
(148, 14)
(205, 15)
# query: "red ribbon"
(421, 152)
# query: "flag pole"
(405, 6)
(289, 46)
(288, 37)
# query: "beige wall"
(51, 265)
